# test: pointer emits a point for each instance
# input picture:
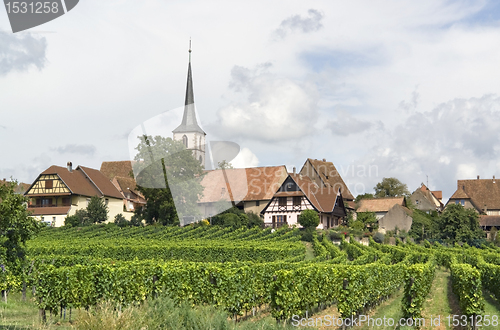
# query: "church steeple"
(189, 132)
(189, 122)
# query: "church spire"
(189, 122)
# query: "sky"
(399, 88)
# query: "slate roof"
(330, 176)
(482, 193)
(380, 204)
(189, 122)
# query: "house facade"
(483, 195)
(380, 206)
(59, 192)
(299, 193)
(325, 174)
(426, 200)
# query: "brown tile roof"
(489, 220)
(85, 181)
(245, 184)
(379, 204)
(330, 176)
(119, 168)
(323, 198)
(49, 210)
(102, 183)
(482, 192)
(126, 185)
(438, 194)
(459, 194)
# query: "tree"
(120, 220)
(80, 218)
(391, 187)
(16, 226)
(97, 210)
(222, 165)
(458, 224)
(424, 226)
(254, 220)
(309, 219)
(363, 196)
(367, 219)
(169, 178)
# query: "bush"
(97, 210)
(120, 220)
(307, 234)
(379, 237)
(136, 221)
(254, 220)
(309, 219)
(335, 235)
(80, 218)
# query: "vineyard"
(243, 270)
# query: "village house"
(121, 175)
(426, 200)
(482, 195)
(61, 191)
(249, 189)
(299, 193)
(391, 212)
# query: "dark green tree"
(254, 220)
(363, 196)
(97, 210)
(368, 219)
(458, 224)
(424, 225)
(80, 218)
(120, 220)
(16, 226)
(163, 165)
(309, 219)
(391, 187)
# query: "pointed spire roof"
(189, 122)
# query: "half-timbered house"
(299, 193)
(58, 192)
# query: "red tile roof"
(489, 220)
(245, 184)
(118, 168)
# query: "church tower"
(188, 131)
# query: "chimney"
(478, 177)
(324, 159)
(70, 166)
(493, 179)
(294, 170)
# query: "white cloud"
(456, 140)
(20, 52)
(298, 23)
(246, 158)
(275, 108)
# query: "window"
(106, 201)
(66, 201)
(462, 202)
(49, 184)
(46, 202)
(257, 203)
(282, 201)
(185, 140)
(201, 160)
(296, 200)
(279, 219)
(289, 186)
(223, 192)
